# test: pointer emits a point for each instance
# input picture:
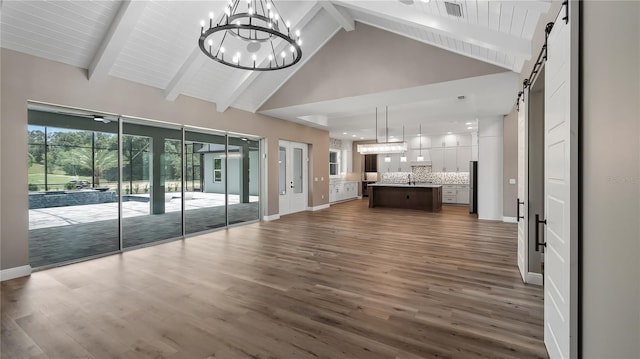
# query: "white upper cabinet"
(450, 160)
(413, 142)
(464, 139)
(437, 141)
(450, 140)
(448, 153)
(437, 159)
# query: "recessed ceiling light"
(426, 1)
(353, 135)
(448, 133)
(469, 128)
(362, 138)
(468, 123)
(344, 133)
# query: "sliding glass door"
(204, 204)
(102, 184)
(72, 184)
(152, 186)
(243, 180)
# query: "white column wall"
(347, 157)
(490, 132)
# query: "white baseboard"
(534, 278)
(273, 217)
(509, 219)
(15, 272)
(317, 208)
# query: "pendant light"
(382, 147)
(420, 158)
(403, 158)
(387, 158)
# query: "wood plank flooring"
(346, 282)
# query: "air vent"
(453, 9)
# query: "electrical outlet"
(512, 181)
(322, 196)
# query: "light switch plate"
(512, 181)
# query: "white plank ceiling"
(159, 48)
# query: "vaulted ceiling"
(155, 43)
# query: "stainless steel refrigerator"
(473, 187)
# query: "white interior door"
(560, 231)
(292, 177)
(522, 209)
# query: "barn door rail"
(542, 57)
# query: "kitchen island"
(422, 196)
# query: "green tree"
(103, 161)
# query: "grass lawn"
(58, 179)
(36, 175)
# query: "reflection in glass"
(205, 206)
(282, 171)
(152, 184)
(72, 177)
(243, 177)
(297, 170)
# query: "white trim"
(317, 208)
(273, 217)
(533, 278)
(509, 220)
(15, 272)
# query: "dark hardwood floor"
(346, 282)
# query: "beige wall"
(610, 179)
(26, 78)
(510, 164)
(369, 60)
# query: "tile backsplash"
(421, 174)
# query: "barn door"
(561, 187)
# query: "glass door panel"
(282, 171)
(152, 185)
(297, 170)
(243, 180)
(204, 202)
(72, 183)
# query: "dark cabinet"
(371, 163)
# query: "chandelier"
(255, 28)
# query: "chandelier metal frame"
(247, 26)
